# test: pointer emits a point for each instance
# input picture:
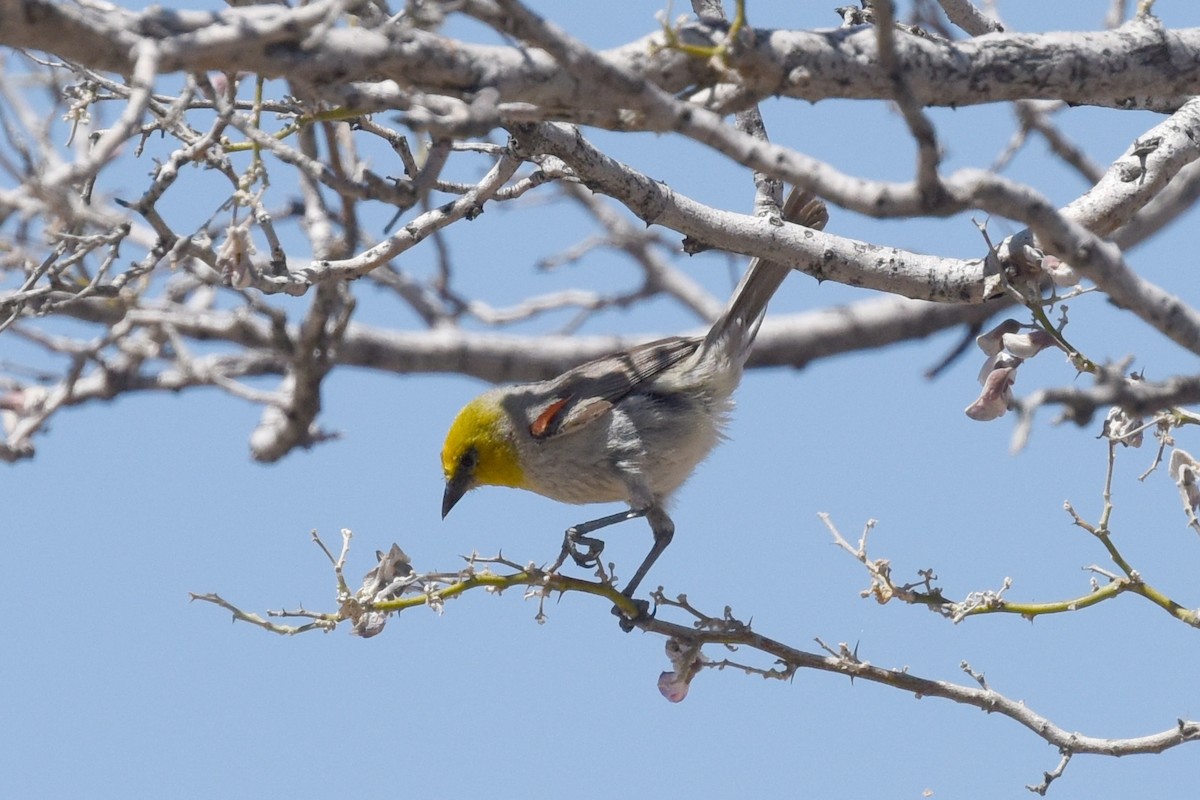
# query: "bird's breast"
(643, 450)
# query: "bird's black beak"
(456, 486)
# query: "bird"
(628, 427)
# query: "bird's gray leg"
(664, 530)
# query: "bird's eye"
(468, 459)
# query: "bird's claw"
(584, 550)
(628, 623)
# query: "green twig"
(720, 51)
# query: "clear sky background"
(114, 685)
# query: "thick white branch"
(1107, 68)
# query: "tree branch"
(385, 597)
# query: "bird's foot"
(583, 550)
(628, 623)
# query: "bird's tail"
(734, 332)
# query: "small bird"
(627, 427)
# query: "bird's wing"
(590, 391)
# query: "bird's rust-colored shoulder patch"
(546, 422)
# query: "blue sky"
(114, 685)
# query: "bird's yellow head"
(479, 451)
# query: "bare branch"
(804, 65)
(436, 588)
